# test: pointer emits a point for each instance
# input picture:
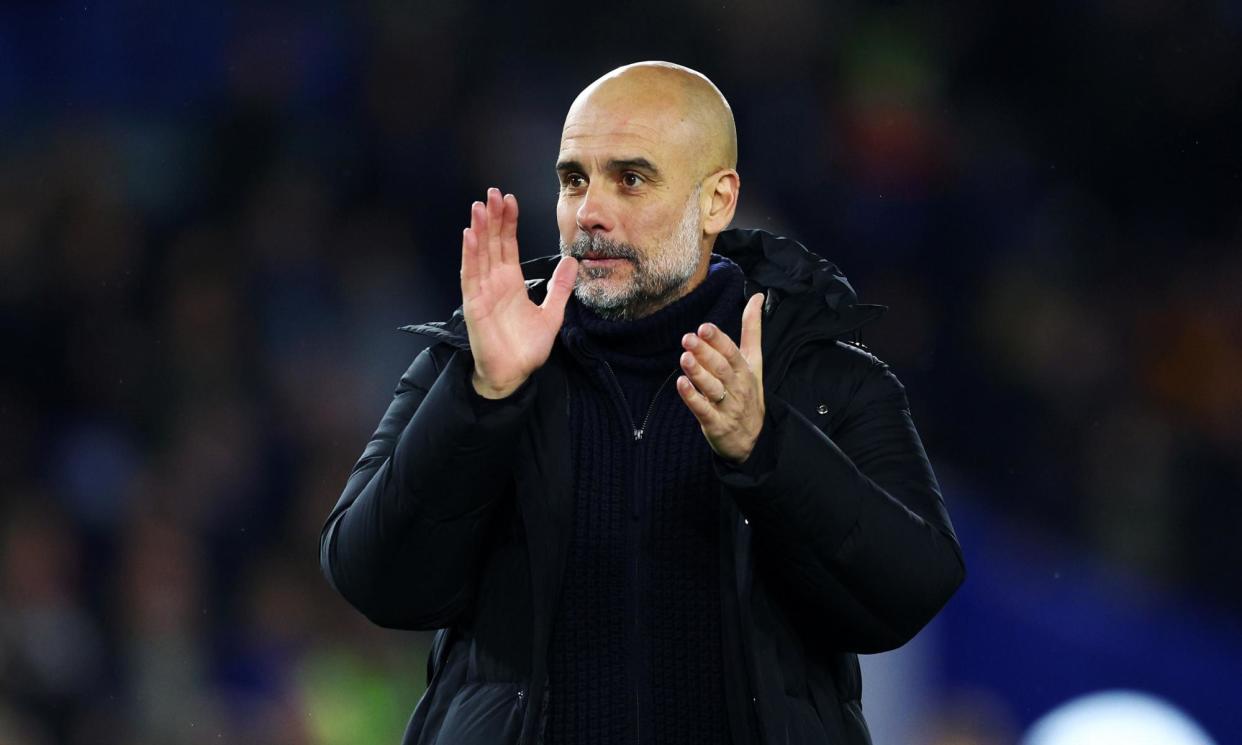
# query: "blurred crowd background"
(214, 217)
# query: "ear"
(722, 188)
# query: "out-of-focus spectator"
(162, 608)
(51, 648)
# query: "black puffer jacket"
(457, 518)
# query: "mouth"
(590, 260)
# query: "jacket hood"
(806, 296)
(785, 266)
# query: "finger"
(508, 231)
(478, 226)
(495, 218)
(707, 356)
(706, 383)
(752, 333)
(698, 405)
(559, 287)
(469, 263)
(721, 342)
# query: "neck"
(655, 338)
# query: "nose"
(594, 213)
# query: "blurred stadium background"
(214, 216)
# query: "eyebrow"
(614, 165)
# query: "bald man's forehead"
(598, 133)
(650, 123)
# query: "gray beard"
(656, 279)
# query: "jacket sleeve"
(404, 543)
(853, 524)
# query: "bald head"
(648, 179)
(678, 102)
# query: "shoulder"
(829, 380)
(842, 364)
(426, 367)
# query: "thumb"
(559, 287)
(752, 333)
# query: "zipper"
(638, 431)
(639, 668)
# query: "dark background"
(213, 217)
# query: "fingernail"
(687, 359)
(706, 331)
(690, 340)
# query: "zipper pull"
(638, 435)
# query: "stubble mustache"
(599, 247)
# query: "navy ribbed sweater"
(635, 651)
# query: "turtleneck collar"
(654, 341)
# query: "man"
(642, 489)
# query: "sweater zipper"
(638, 436)
(638, 431)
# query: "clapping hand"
(510, 336)
(723, 384)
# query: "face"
(629, 210)
(621, 281)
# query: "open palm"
(510, 336)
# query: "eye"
(632, 180)
(573, 181)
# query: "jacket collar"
(806, 297)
